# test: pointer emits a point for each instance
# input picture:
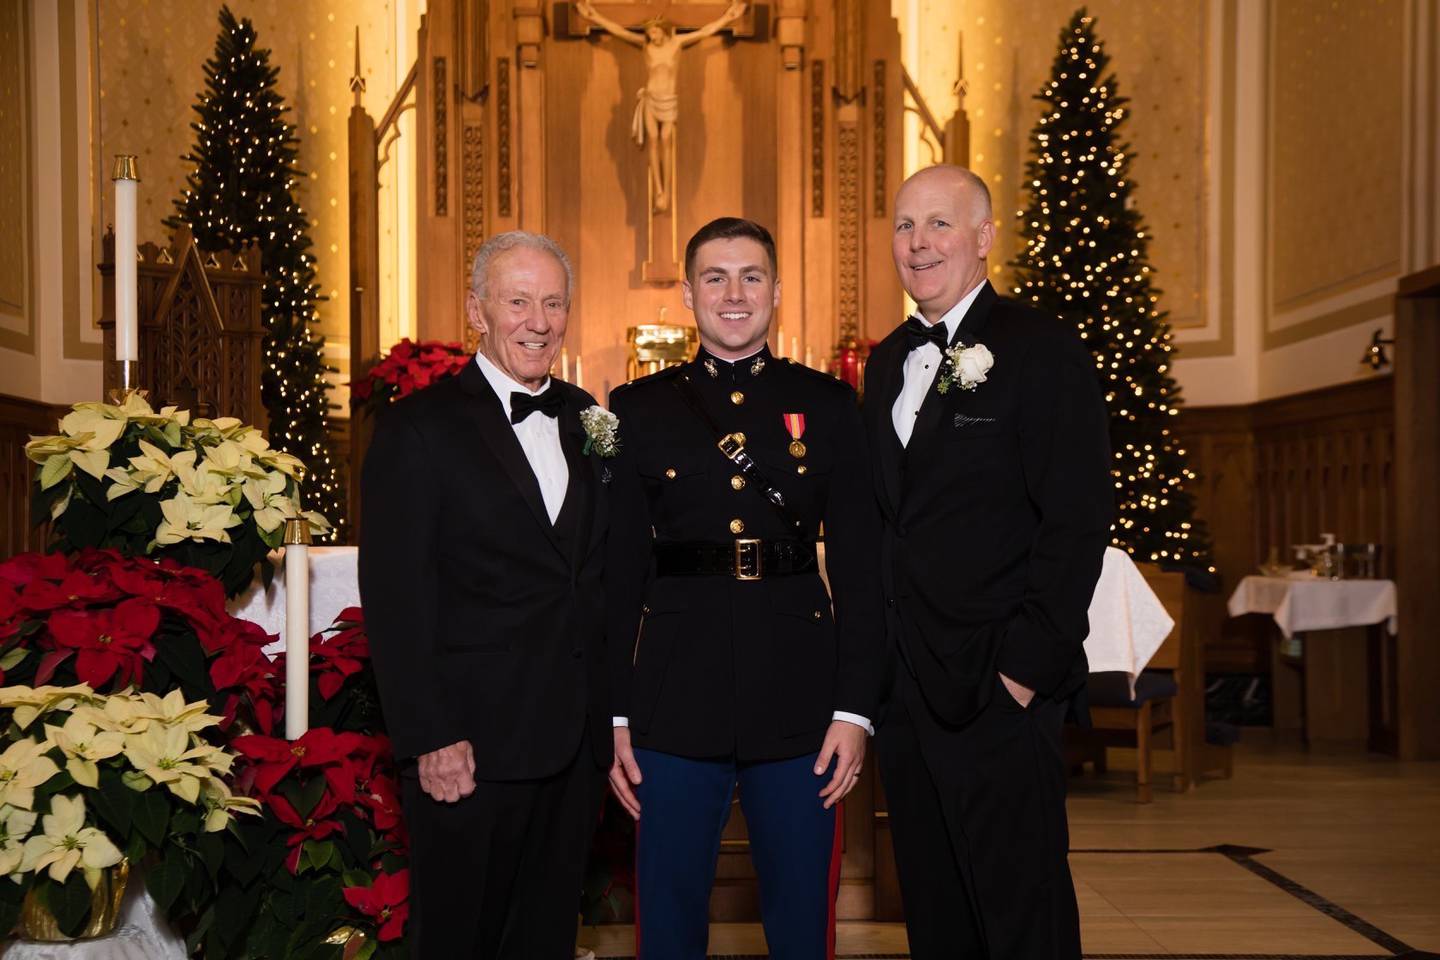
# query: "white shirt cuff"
(856, 719)
(620, 721)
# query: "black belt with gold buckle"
(741, 559)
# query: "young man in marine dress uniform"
(730, 665)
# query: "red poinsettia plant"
(328, 857)
(409, 366)
(333, 840)
(111, 621)
(337, 794)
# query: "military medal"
(795, 426)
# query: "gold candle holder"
(655, 346)
(126, 167)
(297, 531)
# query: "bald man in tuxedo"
(991, 453)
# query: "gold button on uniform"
(670, 473)
(737, 398)
(801, 470)
(737, 482)
(817, 615)
(737, 525)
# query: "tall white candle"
(779, 341)
(127, 326)
(794, 347)
(297, 628)
(564, 364)
(579, 378)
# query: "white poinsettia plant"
(87, 779)
(210, 493)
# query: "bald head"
(963, 181)
(943, 232)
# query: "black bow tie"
(549, 402)
(919, 333)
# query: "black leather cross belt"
(741, 559)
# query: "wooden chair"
(1168, 696)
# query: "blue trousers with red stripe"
(794, 844)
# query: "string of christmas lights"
(245, 158)
(1085, 260)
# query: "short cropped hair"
(729, 228)
(510, 240)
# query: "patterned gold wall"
(1158, 52)
(150, 57)
(1335, 178)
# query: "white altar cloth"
(1304, 602)
(1128, 623)
(334, 585)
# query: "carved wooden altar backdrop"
(200, 327)
(792, 117)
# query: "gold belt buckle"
(732, 444)
(747, 560)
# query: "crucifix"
(657, 104)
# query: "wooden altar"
(790, 115)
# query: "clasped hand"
(448, 774)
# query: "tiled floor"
(1361, 834)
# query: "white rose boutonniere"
(602, 431)
(965, 367)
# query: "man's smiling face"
(943, 232)
(733, 292)
(522, 319)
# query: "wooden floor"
(1319, 856)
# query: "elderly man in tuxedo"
(992, 468)
(480, 572)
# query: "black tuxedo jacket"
(485, 619)
(997, 513)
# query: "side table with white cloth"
(1145, 679)
(1128, 623)
(1329, 674)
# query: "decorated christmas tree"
(1085, 260)
(241, 190)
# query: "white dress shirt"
(855, 718)
(921, 366)
(538, 434)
